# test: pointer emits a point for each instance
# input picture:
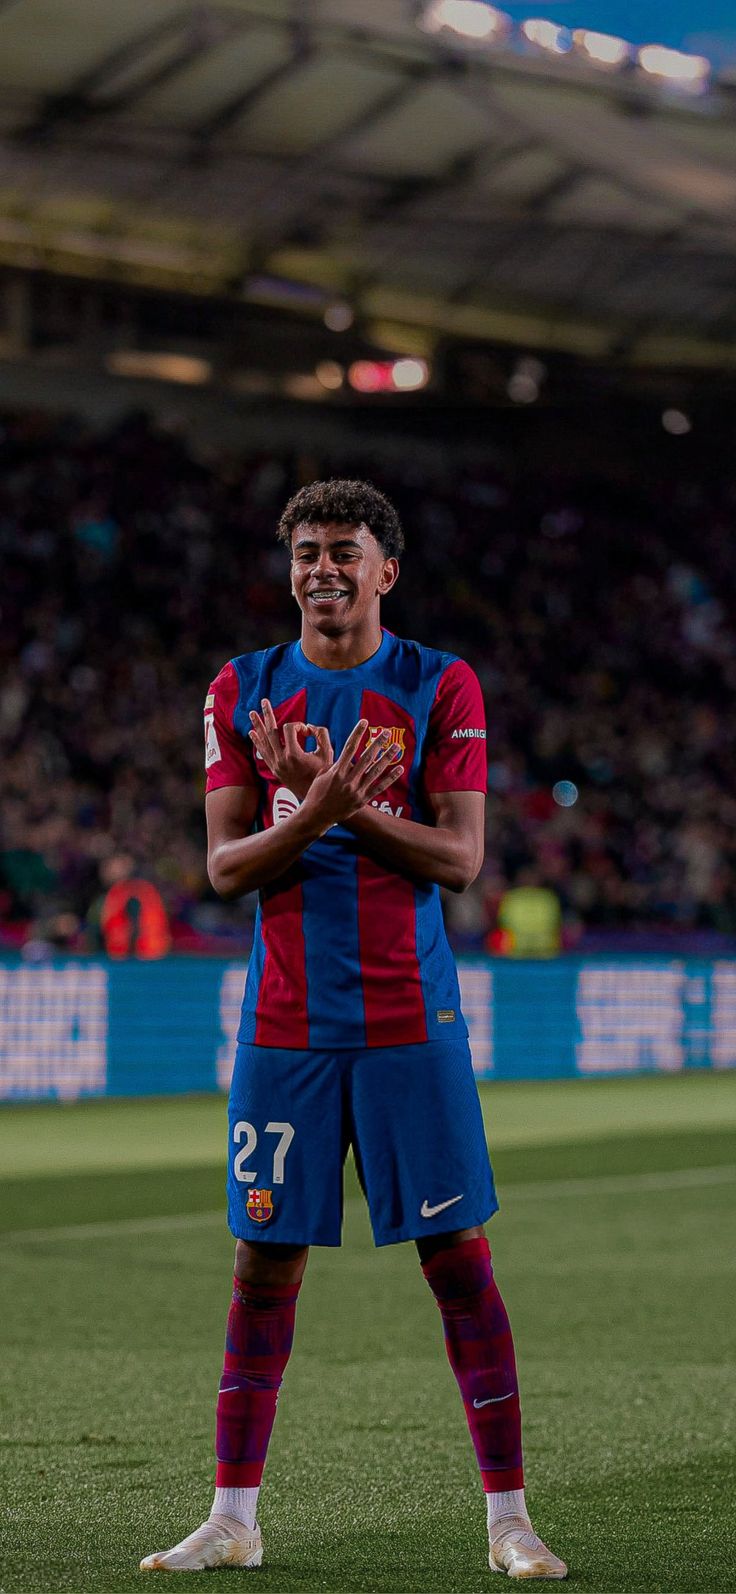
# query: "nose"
(325, 564)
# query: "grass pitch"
(612, 1253)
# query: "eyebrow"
(342, 542)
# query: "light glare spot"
(676, 422)
(565, 793)
(338, 316)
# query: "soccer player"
(346, 776)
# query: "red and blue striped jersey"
(347, 953)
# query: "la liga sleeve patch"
(455, 755)
(228, 759)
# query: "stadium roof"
(293, 151)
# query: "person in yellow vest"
(529, 919)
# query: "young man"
(346, 776)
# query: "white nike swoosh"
(426, 1211)
(492, 1400)
(229, 1389)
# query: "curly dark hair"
(352, 503)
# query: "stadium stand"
(594, 606)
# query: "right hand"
(352, 781)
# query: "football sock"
(260, 1331)
(480, 1350)
(238, 1504)
(505, 1503)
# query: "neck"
(342, 652)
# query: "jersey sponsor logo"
(396, 735)
(467, 733)
(385, 808)
(259, 1205)
(211, 744)
(284, 805)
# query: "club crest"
(397, 735)
(259, 1205)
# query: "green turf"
(622, 1305)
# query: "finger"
(353, 741)
(263, 748)
(269, 717)
(259, 725)
(325, 749)
(381, 781)
(371, 753)
(293, 729)
(376, 752)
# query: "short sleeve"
(228, 759)
(455, 755)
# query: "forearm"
(246, 863)
(426, 852)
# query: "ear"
(388, 577)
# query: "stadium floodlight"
(547, 35)
(601, 49)
(674, 66)
(408, 374)
(472, 20)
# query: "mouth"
(327, 597)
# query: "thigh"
(419, 1140)
(285, 1147)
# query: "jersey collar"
(365, 668)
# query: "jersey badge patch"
(209, 701)
(259, 1205)
(212, 746)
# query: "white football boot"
(516, 1549)
(219, 1542)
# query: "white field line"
(549, 1189)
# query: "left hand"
(287, 758)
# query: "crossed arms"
(337, 791)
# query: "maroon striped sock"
(481, 1354)
(260, 1331)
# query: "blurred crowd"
(597, 608)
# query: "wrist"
(308, 823)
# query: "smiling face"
(339, 573)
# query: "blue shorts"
(411, 1114)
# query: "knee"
(261, 1263)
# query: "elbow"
(463, 873)
(460, 880)
(221, 885)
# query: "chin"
(328, 627)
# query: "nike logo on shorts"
(426, 1211)
(492, 1400)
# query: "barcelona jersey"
(348, 953)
